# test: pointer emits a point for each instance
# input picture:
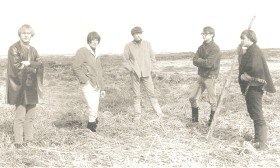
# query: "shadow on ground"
(69, 120)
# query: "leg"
(28, 123)
(254, 106)
(136, 93)
(92, 95)
(18, 123)
(197, 89)
(150, 89)
(210, 85)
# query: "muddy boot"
(211, 118)
(261, 137)
(194, 114)
(256, 138)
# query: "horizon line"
(277, 49)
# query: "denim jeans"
(199, 87)
(23, 123)
(92, 95)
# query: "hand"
(269, 94)
(26, 63)
(33, 70)
(102, 94)
(246, 77)
(200, 60)
(261, 81)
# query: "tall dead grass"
(61, 139)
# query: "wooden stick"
(221, 98)
(225, 88)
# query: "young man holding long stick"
(254, 78)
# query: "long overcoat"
(23, 82)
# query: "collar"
(137, 42)
(208, 44)
(251, 46)
(91, 51)
(24, 45)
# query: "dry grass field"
(61, 139)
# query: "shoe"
(18, 146)
(194, 114)
(27, 143)
(160, 114)
(137, 118)
(211, 118)
(260, 146)
(92, 125)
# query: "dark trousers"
(254, 106)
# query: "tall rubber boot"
(261, 136)
(194, 114)
(211, 118)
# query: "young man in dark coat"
(24, 79)
(254, 78)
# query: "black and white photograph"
(140, 84)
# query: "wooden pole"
(226, 85)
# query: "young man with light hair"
(24, 76)
(138, 58)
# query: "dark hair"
(93, 35)
(209, 30)
(136, 29)
(250, 34)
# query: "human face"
(207, 37)
(137, 36)
(245, 41)
(25, 36)
(93, 44)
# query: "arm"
(35, 64)
(195, 58)
(15, 59)
(255, 65)
(100, 74)
(212, 58)
(77, 67)
(152, 55)
(126, 63)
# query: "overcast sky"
(61, 26)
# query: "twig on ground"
(49, 150)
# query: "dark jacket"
(87, 67)
(207, 59)
(22, 85)
(254, 64)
